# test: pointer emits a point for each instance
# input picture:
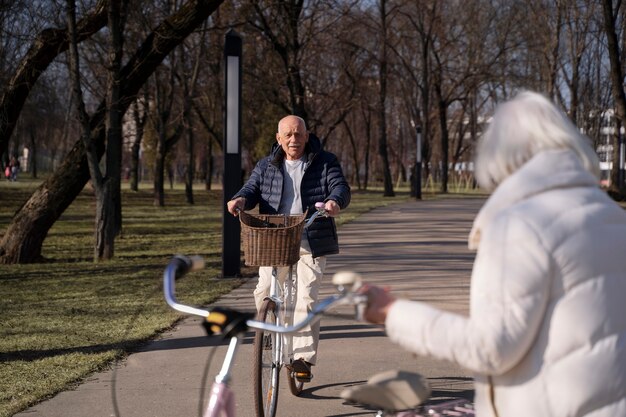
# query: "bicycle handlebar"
(319, 211)
(229, 322)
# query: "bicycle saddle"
(390, 391)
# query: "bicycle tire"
(267, 364)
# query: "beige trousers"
(309, 277)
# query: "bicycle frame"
(283, 296)
(221, 401)
(222, 398)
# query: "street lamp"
(232, 181)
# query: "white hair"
(521, 128)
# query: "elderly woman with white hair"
(546, 331)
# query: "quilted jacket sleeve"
(338, 187)
(251, 190)
(509, 292)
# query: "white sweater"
(546, 334)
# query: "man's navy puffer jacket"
(323, 180)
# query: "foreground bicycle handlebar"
(233, 324)
(408, 390)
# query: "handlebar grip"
(184, 264)
(347, 279)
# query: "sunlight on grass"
(68, 317)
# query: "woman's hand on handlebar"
(235, 205)
(379, 300)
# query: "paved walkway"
(418, 248)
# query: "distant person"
(15, 166)
(295, 175)
(546, 332)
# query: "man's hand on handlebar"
(332, 208)
(235, 205)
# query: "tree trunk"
(382, 151)
(355, 155)
(382, 101)
(139, 121)
(24, 236)
(106, 217)
(134, 164)
(159, 176)
(617, 88)
(110, 222)
(32, 155)
(368, 138)
(209, 166)
(443, 125)
(190, 165)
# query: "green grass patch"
(68, 317)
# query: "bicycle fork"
(222, 399)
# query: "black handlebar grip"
(183, 264)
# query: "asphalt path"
(418, 248)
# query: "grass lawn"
(69, 317)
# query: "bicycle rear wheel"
(267, 357)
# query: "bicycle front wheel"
(267, 363)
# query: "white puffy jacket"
(546, 333)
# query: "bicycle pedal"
(302, 377)
(301, 371)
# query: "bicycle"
(275, 241)
(404, 394)
(234, 324)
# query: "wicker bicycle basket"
(270, 239)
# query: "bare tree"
(44, 49)
(279, 24)
(611, 14)
(139, 114)
(383, 56)
(25, 234)
(106, 186)
(190, 81)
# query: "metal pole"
(418, 164)
(232, 181)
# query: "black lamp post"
(232, 181)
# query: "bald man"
(295, 175)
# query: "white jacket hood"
(546, 170)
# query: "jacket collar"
(550, 169)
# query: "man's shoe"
(301, 370)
